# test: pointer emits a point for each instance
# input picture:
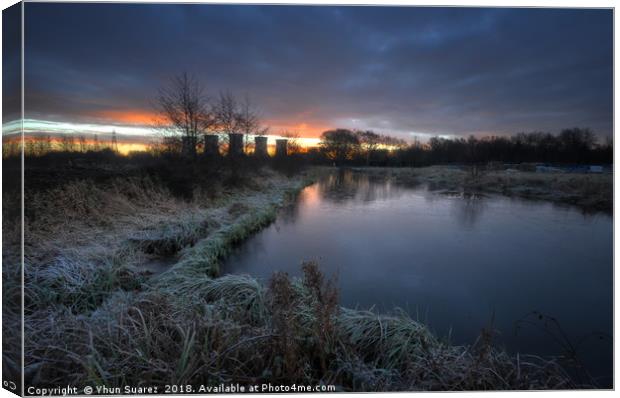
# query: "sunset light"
(205, 198)
(129, 117)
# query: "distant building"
(235, 144)
(212, 145)
(281, 147)
(260, 146)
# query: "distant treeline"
(41, 144)
(358, 148)
(570, 146)
(187, 119)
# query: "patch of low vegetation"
(87, 240)
(231, 329)
(589, 192)
(94, 316)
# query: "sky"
(405, 71)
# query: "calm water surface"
(457, 263)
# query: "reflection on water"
(345, 186)
(454, 261)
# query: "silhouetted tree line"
(570, 146)
(186, 116)
(43, 144)
(344, 146)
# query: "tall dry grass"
(234, 330)
(95, 316)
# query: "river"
(540, 275)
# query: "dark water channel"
(458, 263)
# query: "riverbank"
(123, 288)
(88, 242)
(589, 192)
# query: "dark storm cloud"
(422, 70)
(11, 63)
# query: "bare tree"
(237, 117)
(96, 145)
(44, 145)
(82, 143)
(294, 147)
(67, 143)
(226, 112)
(369, 141)
(339, 145)
(30, 147)
(183, 108)
(249, 120)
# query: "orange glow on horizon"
(134, 117)
(124, 148)
(33, 144)
(140, 117)
(304, 129)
